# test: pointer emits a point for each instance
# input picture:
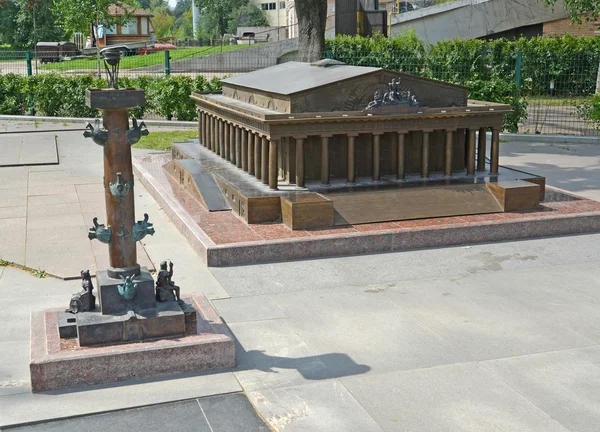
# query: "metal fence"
(554, 89)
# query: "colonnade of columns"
(246, 149)
(256, 154)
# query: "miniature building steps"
(199, 182)
(412, 203)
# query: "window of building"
(111, 30)
(268, 6)
(281, 5)
(130, 28)
(144, 25)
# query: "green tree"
(78, 16)
(185, 26)
(218, 13)
(163, 25)
(247, 16)
(159, 7)
(23, 23)
(590, 9)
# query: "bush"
(590, 110)
(13, 94)
(57, 95)
(500, 91)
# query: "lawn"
(556, 100)
(138, 61)
(163, 140)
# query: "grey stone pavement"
(492, 337)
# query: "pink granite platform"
(60, 363)
(222, 239)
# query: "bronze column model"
(257, 156)
(251, 138)
(120, 214)
(300, 162)
(264, 175)
(448, 157)
(495, 151)
(376, 157)
(425, 155)
(471, 152)
(325, 159)
(351, 169)
(401, 168)
(481, 149)
(273, 174)
(244, 152)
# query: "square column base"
(56, 365)
(166, 320)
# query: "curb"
(187, 124)
(560, 139)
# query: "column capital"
(300, 136)
(377, 133)
(427, 130)
(326, 135)
(353, 134)
(451, 130)
(402, 132)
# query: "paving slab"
(243, 309)
(354, 332)
(462, 397)
(13, 177)
(37, 407)
(482, 321)
(13, 235)
(19, 150)
(565, 384)
(324, 406)
(14, 375)
(13, 212)
(226, 413)
(270, 354)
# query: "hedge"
(550, 65)
(57, 95)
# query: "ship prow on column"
(322, 144)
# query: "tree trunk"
(312, 19)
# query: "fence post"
(518, 69)
(167, 63)
(29, 73)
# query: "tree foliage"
(23, 23)
(163, 25)
(578, 9)
(248, 15)
(76, 16)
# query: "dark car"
(406, 7)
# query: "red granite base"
(222, 239)
(58, 363)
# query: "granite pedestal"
(56, 363)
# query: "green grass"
(138, 61)
(163, 140)
(556, 101)
(39, 273)
(3, 263)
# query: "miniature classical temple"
(310, 144)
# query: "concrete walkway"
(497, 337)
